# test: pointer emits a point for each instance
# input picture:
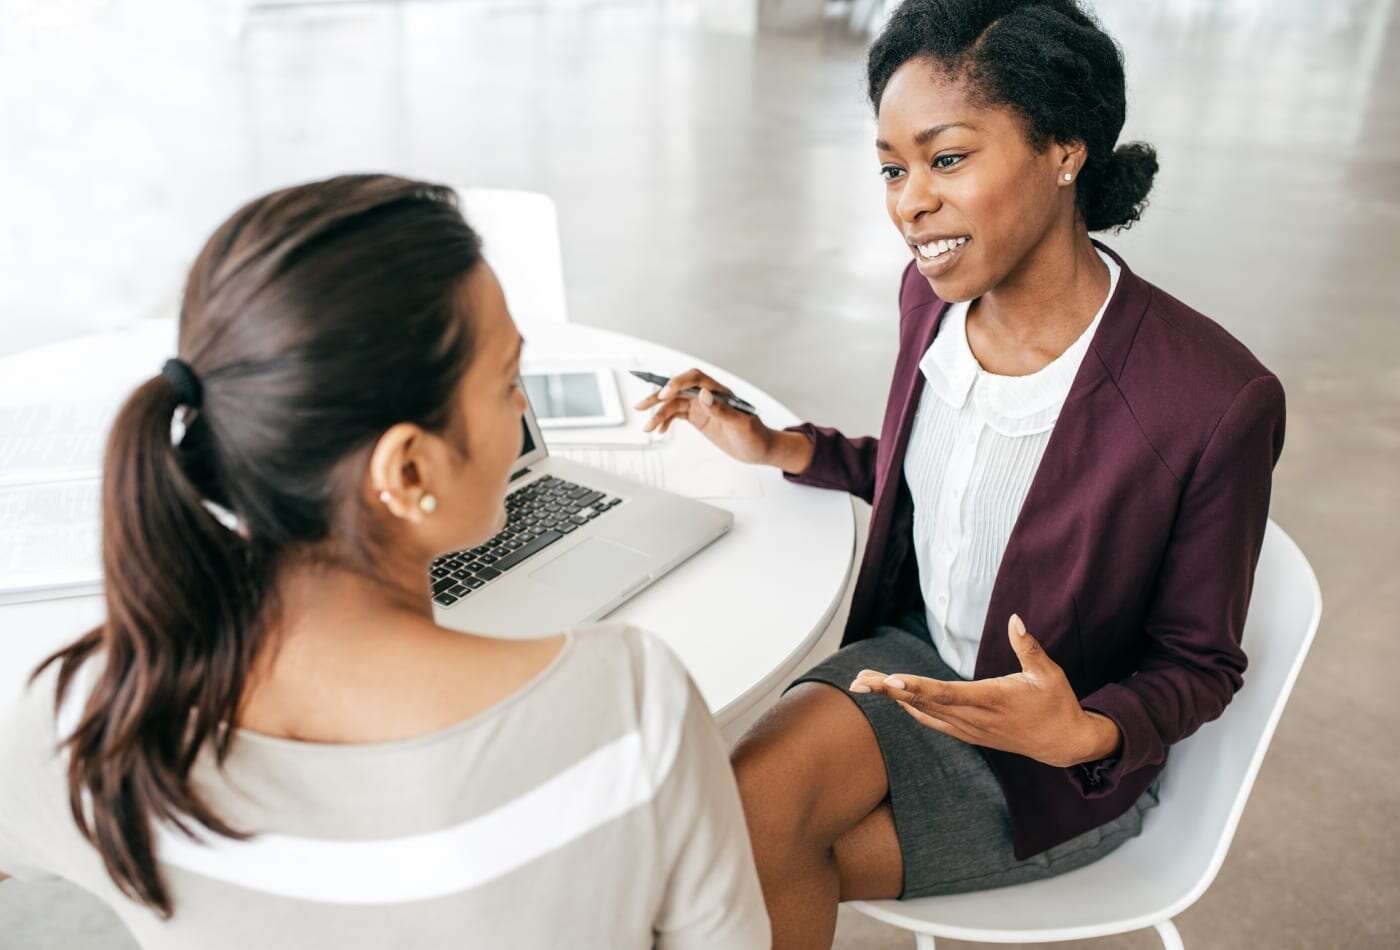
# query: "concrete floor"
(718, 193)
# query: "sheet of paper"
(52, 537)
(640, 465)
(667, 470)
(51, 441)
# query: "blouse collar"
(1012, 405)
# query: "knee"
(770, 804)
(776, 793)
(808, 770)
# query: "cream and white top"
(594, 808)
(976, 443)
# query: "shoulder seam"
(655, 652)
(1205, 446)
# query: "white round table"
(742, 614)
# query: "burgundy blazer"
(1133, 555)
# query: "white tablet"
(574, 398)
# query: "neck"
(327, 605)
(1054, 290)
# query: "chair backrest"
(520, 234)
(1210, 775)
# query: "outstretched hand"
(1034, 713)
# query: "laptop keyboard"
(541, 513)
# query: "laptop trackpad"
(594, 567)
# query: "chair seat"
(1070, 906)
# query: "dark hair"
(1050, 62)
(315, 318)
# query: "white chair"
(520, 234)
(1164, 870)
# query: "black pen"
(732, 401)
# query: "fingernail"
(664, 393)
(1017, 625)
(859, 688)
(894, 682)
(707, 397)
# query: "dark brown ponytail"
(314, 318)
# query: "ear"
(395, 477)
(1069, 159)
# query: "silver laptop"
(577, 544)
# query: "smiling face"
(969, 193)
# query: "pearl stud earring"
(428, 504)
(385, 497)
(1069, 177)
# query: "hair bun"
(1115, 194)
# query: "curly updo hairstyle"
(1050, 62)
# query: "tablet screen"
(564, 395)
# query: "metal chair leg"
(1171, 939)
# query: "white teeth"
(935, 249)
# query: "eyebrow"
(926, 136)
(515, 355)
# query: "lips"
(935, 257)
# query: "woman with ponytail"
(1069, 493)
(268, 742)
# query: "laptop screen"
(532, 446)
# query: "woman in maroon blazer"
(1114, 614)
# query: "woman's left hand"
(1032, 713)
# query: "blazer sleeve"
(838, 462)
(1193, 664)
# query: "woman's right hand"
(738, 434)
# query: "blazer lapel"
(1033, 579)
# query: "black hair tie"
(185, 383)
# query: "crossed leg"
(814, 789)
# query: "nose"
(919, 196)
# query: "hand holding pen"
(719, 392)
(726, 420)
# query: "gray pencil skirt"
(950, 816)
